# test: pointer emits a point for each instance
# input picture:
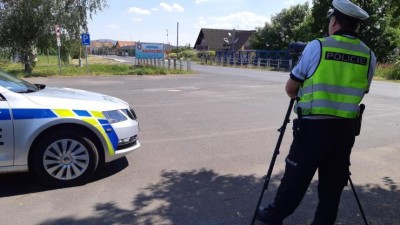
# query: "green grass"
(388, 71)
(48, 66)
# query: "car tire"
(64, 158)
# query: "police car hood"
(75, 98)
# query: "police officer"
(330, 80)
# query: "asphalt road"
(207, 140)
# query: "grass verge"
(388, 71)
(48, 66)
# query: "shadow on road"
(24, 183)
(203, 197)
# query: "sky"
(165, 21)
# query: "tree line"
(381, 32)
(28, 26)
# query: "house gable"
(219, 39)
(121, 44)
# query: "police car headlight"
(114, 116)
(130, 113)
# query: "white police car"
(60, 134)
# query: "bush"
(172, 55)
(394, 55)
(188, 54)
(49, 51)
(206, 54)
(389, 71)
(5, 55)
(70, 49)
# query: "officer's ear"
(334, 25)
(334, 21)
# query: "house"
(121, 44)
(101, 47)
(168, 49)
(125, 48)
(223, 40)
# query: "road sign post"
(58, 34)
(86, 42)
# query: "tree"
(319, 22)
(289, 25)
(26, 25)
(21, 28)
(266, 38)
(381, 32)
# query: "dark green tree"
(381, 32)
(266, 38)
(319, 22)
(289, 25)
(21, 28)
(292, 24)
(26, 25)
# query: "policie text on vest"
(346, 58)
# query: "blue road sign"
(149, 50)
(85, 39)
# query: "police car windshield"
(15, 84)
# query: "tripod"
(358, 201)
(281, 131)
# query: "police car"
(62, 135)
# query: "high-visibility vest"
(340, 80)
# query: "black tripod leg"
(358, 202)
(276, 152)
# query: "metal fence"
(251, 58)
(249, 62)
(280, 60)
(165, 63)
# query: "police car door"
(6, 134)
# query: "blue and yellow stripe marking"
(95, 118)
(5, 114)
(82, 113)
(21, 114)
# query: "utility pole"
(167, 36)
(177, 40)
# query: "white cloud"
(201, 1)
(138, 11)
(201, 23)
(155, 9)
(113, 26)
(241, 20)
(138, 20)
(294, 2)
(172, 8)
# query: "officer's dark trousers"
(323, 144)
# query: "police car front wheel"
(65, 158)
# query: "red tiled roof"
(99, 44)
(121, 44)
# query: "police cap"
(348, 9)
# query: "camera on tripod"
(296, 48)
